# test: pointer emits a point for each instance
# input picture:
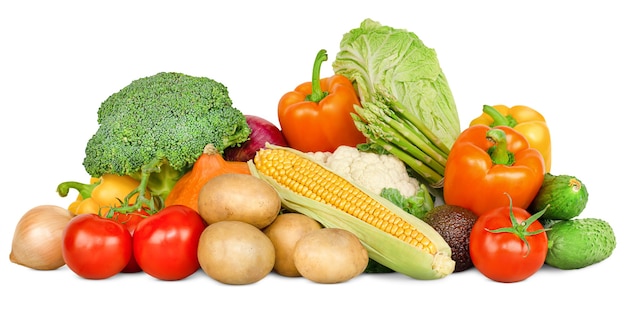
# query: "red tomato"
(130, 221)
(507, 244)
(166, 244)
(95, 247)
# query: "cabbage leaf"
(375, 57)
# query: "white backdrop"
(60, 59)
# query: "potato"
(284, 233)
(235, 252)
(240, 197)
(330, 255)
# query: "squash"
(210, 164)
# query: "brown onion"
(37, 238)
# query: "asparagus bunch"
(388, 124)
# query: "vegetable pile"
(368, 171)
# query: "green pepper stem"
(317, 94)
(83, 189)
(500, 154)
(498, 118)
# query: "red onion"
(262, 131)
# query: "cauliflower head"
(371, 170)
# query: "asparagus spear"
(389, 125)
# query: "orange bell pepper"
(316, 116)
(485, 163)
(523, 119)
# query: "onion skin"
(262, 131)
(37, 238)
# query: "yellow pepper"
(523, 119)
(100, 194)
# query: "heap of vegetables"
(497, 167)
(356, 162)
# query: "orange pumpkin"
(210, 164)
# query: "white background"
(60, 59)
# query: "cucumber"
(566, 194)
(578, 243)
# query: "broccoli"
(155, 128)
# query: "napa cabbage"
(377, 57)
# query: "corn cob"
(393, 237)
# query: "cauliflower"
(371, 170)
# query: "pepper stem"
(500, 154)
(317, 94)
(498, 118)
(83, 189)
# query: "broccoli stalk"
(155, 129)
(157, 178)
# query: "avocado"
(454, 224)
(578, 243)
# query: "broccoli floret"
(155, 128)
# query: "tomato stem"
(521, 229)
(143, 201)
(317, 94)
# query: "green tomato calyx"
(520, 229)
